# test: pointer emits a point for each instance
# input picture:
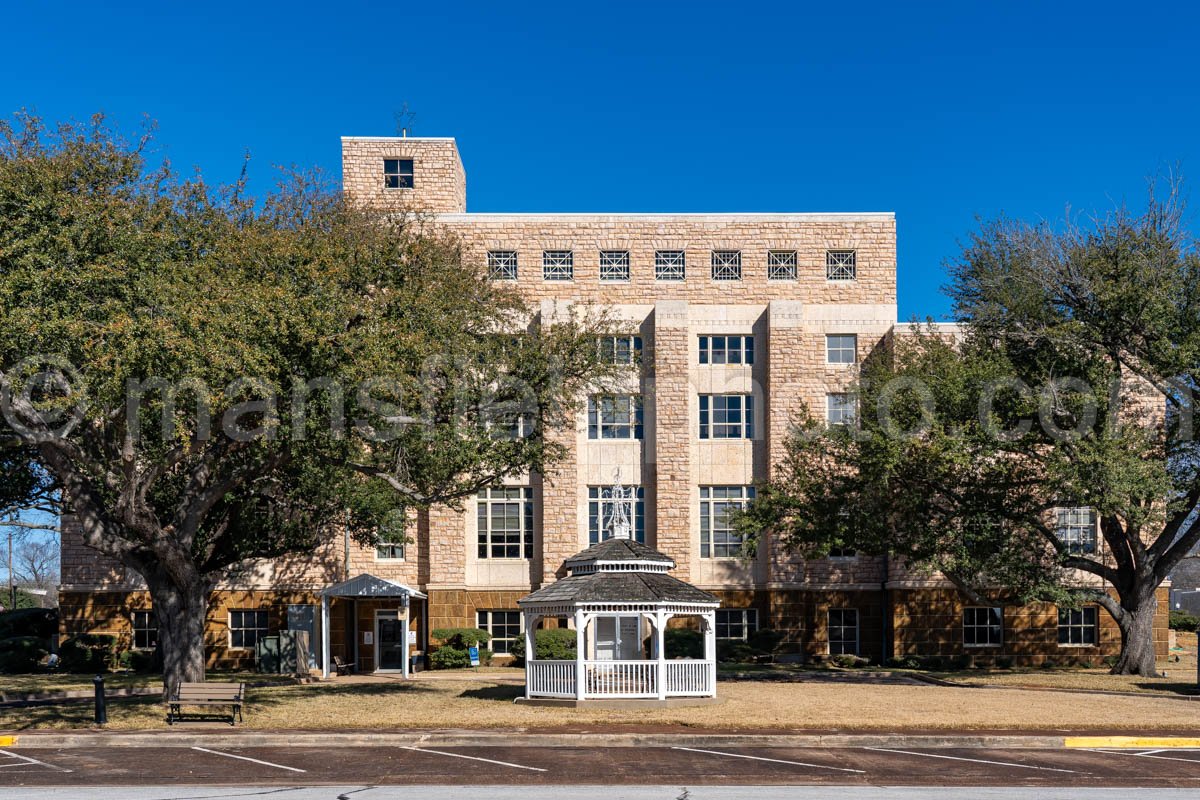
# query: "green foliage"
(766, 640)
(453, 652)
(39, 622)
(21, 654)
(138, 660)
(1184, 621)
(88, 652)
(683, 643)
(551, 644)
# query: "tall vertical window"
(840, 408)
(601, 508)
(841, 348)
(1076, 528)
(843, 631)
(781, 265)
(841, 265)
(1079, 627)
(145, 630)
(726, 265)
(504, 626)
(718, 538)
(726, 349)
(983, 626)
(726, 416)
(397, 173)
(615, 416)
(502, 265)
(736, 623)
(246, 627)
(621, 349)
(558, 265)
(504, 521)
(669, 265)
(614, 266)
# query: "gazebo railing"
(551, 678)
(620, 679)
(689, 678)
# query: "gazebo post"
(580, 655)
(660, 645)
(710, 649)
(530, 649)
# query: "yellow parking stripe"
(8, 741)
(1131, 741)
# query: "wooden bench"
(341, 667)
(206, 694)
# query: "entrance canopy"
(365, 587)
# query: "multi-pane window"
(726, 265)
(843, 552)
(983, 626)
(504, 520)
(621, 349)
(843, 631)
(1076, 528)
(614, 265)
(397, 173)
(726, 349)
(726, 416)
(558, 265)
(602, 508)
(145, 630)
(841, 348)
(736, 623)
(668, 265)
(504, 626)
(1079, 626)
(615, 416)
(502, 265)
(512, 424)
(841, 265)
(389, 551)
(718, 538)
(246, 627)
(840, 408)
(781, 265)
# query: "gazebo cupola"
(619, 598)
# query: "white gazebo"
(371, 587)
(619, 599)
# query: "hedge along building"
(731, 322)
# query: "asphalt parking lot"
(678, 766)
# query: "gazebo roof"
(368, 585)
(619, 587)
(614, 551)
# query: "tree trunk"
(1137, 639)
(180, 611)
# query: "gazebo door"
(618, 638)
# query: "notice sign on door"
(368, 637)
(473, 652)
(412, 637)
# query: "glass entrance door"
(389, 641)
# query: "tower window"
(397, 173)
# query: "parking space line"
(1150, 754)
(473, 758)
(247, 758)
(774, 760)
(29, 760)
(975, 760)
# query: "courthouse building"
(731, 322)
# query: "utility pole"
(12, 586)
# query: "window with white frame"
(1079, 627)
(736, 623)
(841, 265)
(621, 349)
(145, 630)
(614, 266)
(669, 265)
(727, 350)
(504, 522)
(726, 416)
(840, 408)
(843, 631)
(397, 173)
(502, 265)
(504, 626)
(718, 504)
(511, 424)
(615, 416)
(392, 550)
(841, 348)
(558, 265)
(983, 626)
(726, 265)
(781, 265)
(1076, 528)
(246, 627)
(602, 507)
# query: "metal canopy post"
(324, 636)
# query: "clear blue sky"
(939, 112)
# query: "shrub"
(932, 663)
(88, 652)
(39, 622)
(453, 652)
(1110, 661)
(1004, 662)
(550, 644)
(843, 660)
(737, 652)
(1184, 621)
(683, 643)
(138, 660)
(21, 654)
(765, 640)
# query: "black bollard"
(101, 709)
